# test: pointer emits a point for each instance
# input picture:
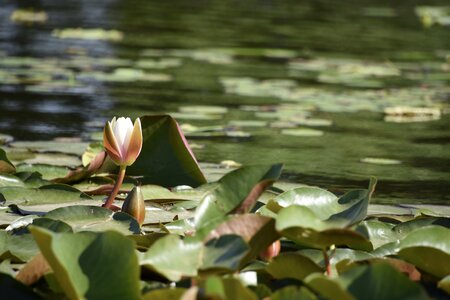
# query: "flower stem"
(326, 259)
(116, 188)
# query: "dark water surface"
(329, 66)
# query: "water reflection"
(285, 64)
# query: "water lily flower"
(123, 143)
(123, 140)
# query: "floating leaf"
(203, 109)
(227, 288)
(5, 165)
(164, 294)
(293, 292)
(292, 265)
(10, 180)
(91, 265)
(257, 231)
(350, 208)
(301, 225)
(43, 195)
(306, 132)
(183, 259)
(224, 254)
(428, 248)
(445, 284)
(327, 287)
(166, 158)
(237, 191)
(22, 247)
(380, 161)
(94, 218)
(76, 148)
(380, 281)
(88, 34)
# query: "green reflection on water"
(281, 64)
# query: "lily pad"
(237, 190)
(292, 265)
(43, 195)
(88, 34)
(5, 165)
(91, 265)
(183, 259)
(166, 158)
(380, 281)
(306, 132)
(224, 254)
(95, 218)
(303, 226)
(428, 248)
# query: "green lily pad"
(48, 171)
(305, 132)
(18, 246)
(226, 288)
(380, 281)
(183, 259)
(88, 34)
(10, 180)
(164, 294)
(237, 190)
(428, 248)
(224, 254)
(292, 265)
(54, 159)
(337, 255)
(5, 138)
(94, 218)
(303, 226)
(293, 292)
(257, 231)
(91, 265)
(327, 287)
(55, 193)
(247, 123)
(166, 158)
(205, 109)
(75, 148)
(445, 284)
(350, 208)
(380, 161)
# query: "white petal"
(122, 131)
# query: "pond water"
(306, 83)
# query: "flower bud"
(134, 205)
(271, 251)
(123, 140)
